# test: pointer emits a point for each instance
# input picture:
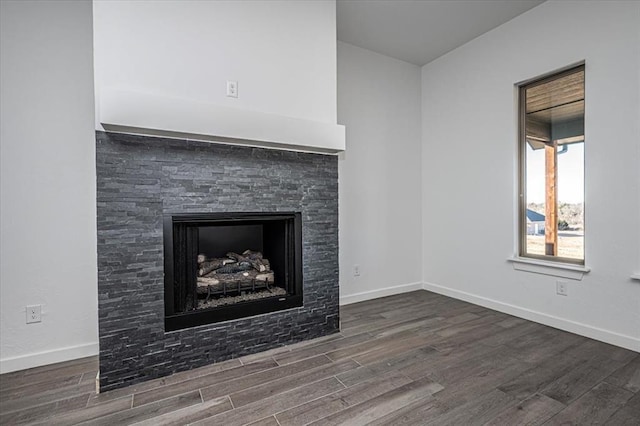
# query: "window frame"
(522, 166)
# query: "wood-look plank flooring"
(416, 358)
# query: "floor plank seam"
(295, 387)
(307, 402)
(233, 407)
(87, 403)
(133, 405)
(336, 377)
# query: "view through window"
(552, 167)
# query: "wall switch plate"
(562, 288)
(232, 89)
(34, 313)
(356, 270)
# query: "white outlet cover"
(356, 270)
(562, 288)
(232, 89)
(34, 314)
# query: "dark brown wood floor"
(416, 358)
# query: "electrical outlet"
(232, 89)
(34, 314)
(562, 288)
(356, 270)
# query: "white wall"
(281, 53)
(469, 166)
(48, 221)
(379, 102)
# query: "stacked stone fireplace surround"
(140, 179)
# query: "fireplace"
(223, 266)
(284, 205)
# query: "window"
(552, 167)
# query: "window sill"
(563, 270)
(635, 277)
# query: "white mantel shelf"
(154, 115)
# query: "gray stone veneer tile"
(141, 178)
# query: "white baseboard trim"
(382, 292)
(23, 362)
(589, 331)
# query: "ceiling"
(419, 31)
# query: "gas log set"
(235, 278)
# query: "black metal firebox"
(223, 266)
